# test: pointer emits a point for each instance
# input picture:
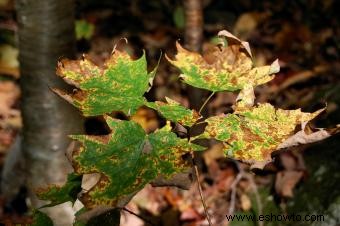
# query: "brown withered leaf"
(286, 182)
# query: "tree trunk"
(46, 34)
(193, 24)
(193, 37)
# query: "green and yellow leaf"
(60, 194)
(175, 112)
(117, 86)
(127, 160)
(253, 134)
(228, 68)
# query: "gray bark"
(46, 34)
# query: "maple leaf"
(253, 133)
(228, 68)
(60, 194)
(117, 86)
(127, 160)
(175, 112)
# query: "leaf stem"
(139, 216)
(205, 102)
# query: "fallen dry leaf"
(286, 182)
(9, 63)
(9, 94)
(213, 153)
(245, 202)
(247, 22)
(147, 119)
(190, 214)
(288, 161)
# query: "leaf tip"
(274, 67)
(116, 45)
(63, 95)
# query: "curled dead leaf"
(233, 39)
(302, 137)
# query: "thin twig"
(195, 165)
(240, 175)
(257, 197)
(139, 216)
(200, 190)
(205, 102)
(233, 193)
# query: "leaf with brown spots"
(252, 134)
(60, 194)
(229, 68)
(127, 160)
(175, 112)
(119, 85)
